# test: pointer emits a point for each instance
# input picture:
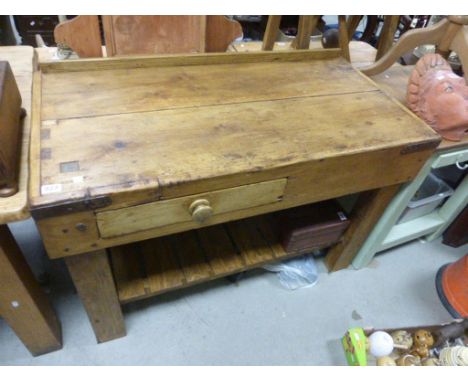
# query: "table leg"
(23, 304)
(390, 216)
(93, 280)
(364, 216)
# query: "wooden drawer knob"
(200, 210)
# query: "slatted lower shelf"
(172, 262)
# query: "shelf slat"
(219, 250)
(162, 268)
(253, 248)
(128, 273)
(156, 266)
(191, 257)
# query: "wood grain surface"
(81, 34)
(175, 130)
(365, 215)
(23, 304)
(123, 113)
(21, 59)
(168, 263)
(10, 132)
(126, 35)
(92, 276)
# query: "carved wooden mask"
(440, 97)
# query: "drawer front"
(197, 208)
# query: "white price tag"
(51, 188)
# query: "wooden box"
(10, 131)
(315, 226)
(134, 148)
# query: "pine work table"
(138, 148)
(23, 304)
(387, 233)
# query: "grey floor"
(254, 322)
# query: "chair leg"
(307, 25)
(344, 40)
(271, 31)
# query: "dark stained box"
(314, 226)
(10, 130)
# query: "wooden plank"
(90, 94)
(393, 81)
(271, 31)
(127, 35)
(145, 61)
(268, 228)
(81, 34)
(23, 305)
(365, 215)
(163, 213)
(163, 270)
(219, 250)
(34, 186)
(258, 131)
(92, 276)
(128, 270)
(21, 59)
(191, 257)
(253, 248)
(186, 259)
(220, 32)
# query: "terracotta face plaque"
(440, 97)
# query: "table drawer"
(198, 208)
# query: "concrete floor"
(254, 322)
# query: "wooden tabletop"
(123, 124)
(393, 81)
(21, 59)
